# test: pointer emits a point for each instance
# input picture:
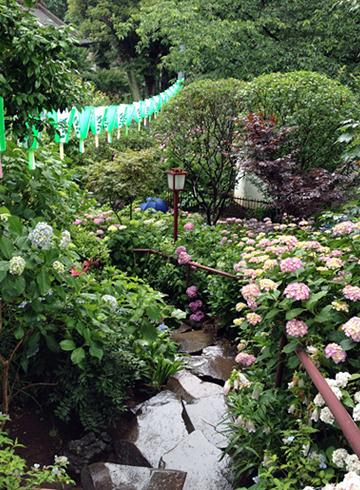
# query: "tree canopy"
(247, 38)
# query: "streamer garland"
(108, 118)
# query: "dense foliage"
(35, 69)
(196, 131)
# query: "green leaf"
(43, 282)
(347, 344)
(153, 313)
(96, 351)
(178, 314)
(6, 247)
(78, 355)
(324, 315)
(290, 347)
(272, 313)
(19, 284)
(4, 265)
(52, 255)
(52, 343)
(19, 333)
(149, 331)
(15, 226)
(67, 344)
(293, 313)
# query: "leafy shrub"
(132, 175)
(313, 103)
(195, 131)
(292, 189)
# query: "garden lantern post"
(176, 178)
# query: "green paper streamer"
(32, 165)
(98, 119)
(130, 111)
(81, 123)
(62, 120)
(110, 119)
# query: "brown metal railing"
(189, 264)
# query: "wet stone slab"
(192, 342)
(190, 387)
(207, 415)
(216, 362)
(110, 476)
(158, 427)
(196, 456)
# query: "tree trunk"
(134, 86)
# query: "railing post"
(280, 366)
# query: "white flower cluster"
(17, 265)
(59, 267)
(63, 460)
(351, 481)
(342, 458)
(65, 240)
(4, 216)
(41, 235)
(327, 416)
(111, 301)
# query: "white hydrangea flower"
(337, 392)
(338, 457)
(326, 416)
(59, 267)
(17, 265)
(111, 301)
(65, 240)
(319, 401)
(352, 463)
(328, 486)
(351, 482)
(357, 397)
(356, 413)
(342, 379)
(331, 382)
(41, 235)
(4, 216)
(308, 488)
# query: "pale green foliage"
(132, 175)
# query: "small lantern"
(176, 178)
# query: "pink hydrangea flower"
(188, 226)
(336, 352)
(253, 318)
(297, 290)
(352, 293)
(334, 263)
(352, 328)
(77, 222)
(344, 228)
(250, 290)
(180, 249)
(98, 221)
(191, 292)
(197, 317)
(99, 232)
(290, 264)
(245, 359)
(184, 258)
(296, 328)
(195, 305)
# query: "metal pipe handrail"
(342, 417)
(189, 264)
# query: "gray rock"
(207, 415)
(193, 341)
(200, 459)
(191, 388)
(110, 476)
(158, 427)
(87, 450)
(216, 362)
(128, 454)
